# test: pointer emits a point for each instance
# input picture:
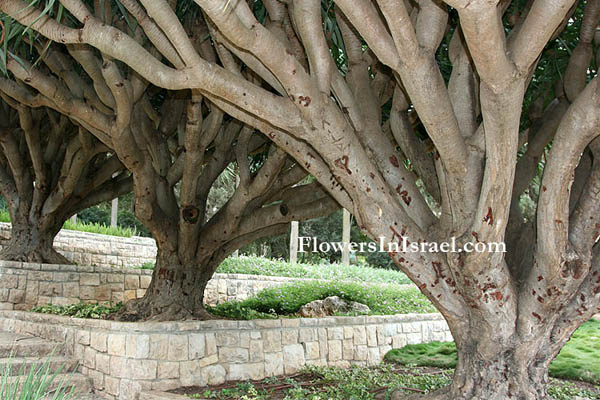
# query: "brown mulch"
(278, 390)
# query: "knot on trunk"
(283, 209)
(190, 214)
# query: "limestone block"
(213, 374)
(256, 351)
(168, 370)
(71, 289)
(233, 354)
(335, 350)
(16, 296)
(360, 335)
(111, 385)
(178, 348)
(272, 340)
(116, 344)
(311, 350)
(89, 279)
(335, 333)
(371, 336)
(293, 358)
(142, 369)
(197, 345)
(98, 341)
(228, 339)
(103, 363)
(273, 364)
(50, 289)
(252, 371)
(138, 346)
(289, 336)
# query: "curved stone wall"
(124, 359)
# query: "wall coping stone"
(180, 326)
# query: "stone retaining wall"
(99, 250)
(125, 358)
(24, 285)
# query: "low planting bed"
(364, 383)
(286, 301)
(124, 359)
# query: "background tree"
(49, 170)
(509, 315)
(177, 145)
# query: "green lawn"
(83, 227)
(579, 359)
(264, 266)
(287, 299)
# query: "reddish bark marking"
(544, 188)
(533, 292)
(437, 267)
(343, 163)
(489, 218)
(540, 299)
(437, 155)
(405, 197)
(423, 286)
(540, 278)
(372, 175)
(537, 316)
(394, 161)
(395, 234)
(304, 99)
(497, 296)
(475, 235)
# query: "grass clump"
(264, 266)
(577, 360)
(286, 300)
(81, 310)
(35, 384)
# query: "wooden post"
(237, 183)
(294, 243)
(74, 218)
(114, 211)
(346, 238)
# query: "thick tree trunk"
(502, 369)
(175, 293)
(511, 374)
(31, 243)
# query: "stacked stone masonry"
(24, 285)
(124, 359)
(85, 248)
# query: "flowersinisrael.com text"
(311, 244)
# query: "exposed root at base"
(47, 256)
(144, 310)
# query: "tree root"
(46, 256)
(145, 309)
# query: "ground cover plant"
(81, 310)
(286, 300)
(264, 266)
(355, 383)
(577, 360)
